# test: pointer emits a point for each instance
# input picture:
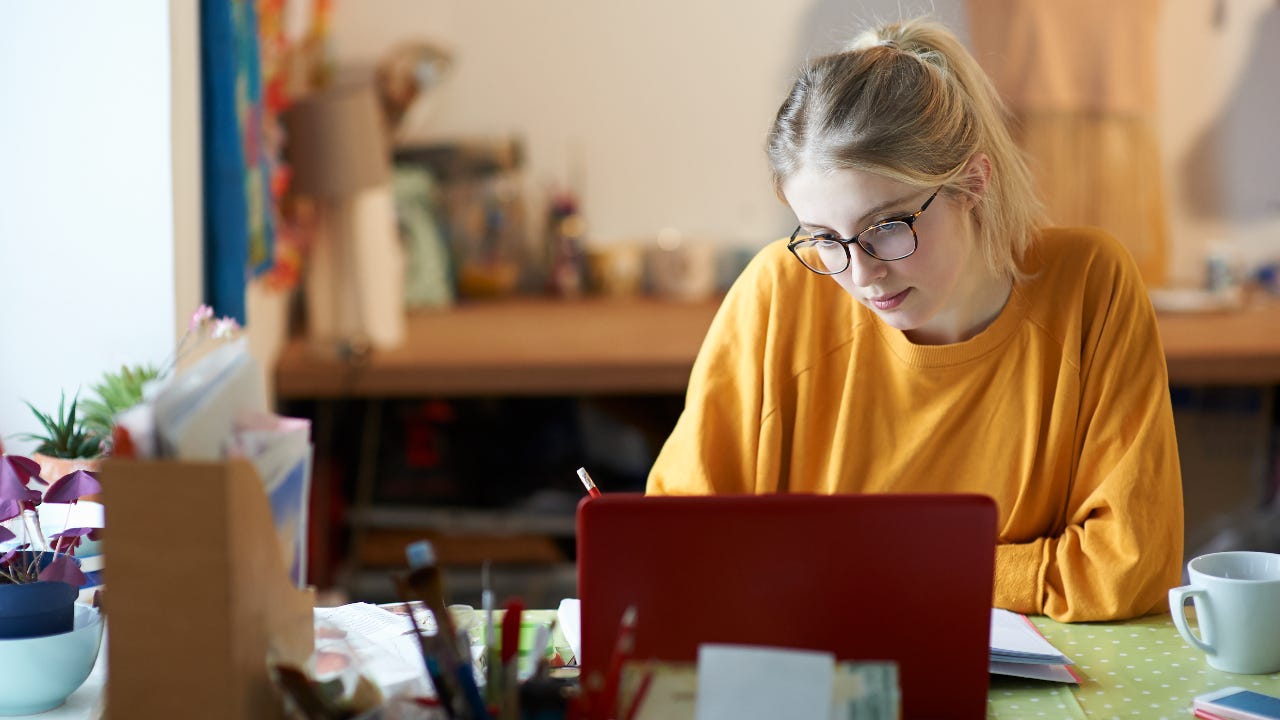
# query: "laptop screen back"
(906, 578)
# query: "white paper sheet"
(570, 616)
(1013, 639)
(743, 682)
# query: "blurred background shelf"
(526, 346)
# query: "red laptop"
(906, 578)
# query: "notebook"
(906, 578)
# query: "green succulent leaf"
(63, 436)
(116, 392)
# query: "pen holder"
(528, 633)
(547, 698)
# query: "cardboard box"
(197, 599)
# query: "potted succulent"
(39, 576)
(67, 444)
(116, 392)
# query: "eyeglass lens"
(888, 241)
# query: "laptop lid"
(906, 578)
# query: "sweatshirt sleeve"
(1121, 547)
(715, 445)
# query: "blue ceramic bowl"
(41, 672)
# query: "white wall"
(99, 222)
(663, 105)
(657, 109)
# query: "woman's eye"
(897, 217)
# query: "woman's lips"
(889, 302)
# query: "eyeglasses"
(891, 239)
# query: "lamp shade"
(337, 142)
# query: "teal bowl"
(40, 672)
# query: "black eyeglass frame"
(909, 220)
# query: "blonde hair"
(908, 102)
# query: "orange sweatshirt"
(1059, 410)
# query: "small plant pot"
(38, 608)
(35, 609)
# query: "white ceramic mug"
(682, 269)
(1237, 600)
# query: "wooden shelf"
(1228, 348)
(529, 346)
(537, 346)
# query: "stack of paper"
(375, 643)
(217, 409)
(1018, 649)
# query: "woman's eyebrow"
(863, 222)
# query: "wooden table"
(549, 347)
(1140, 668)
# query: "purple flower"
(27, 468)
(14, 492)
(72, 486)
(63, 569)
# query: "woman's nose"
(865, 270)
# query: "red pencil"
(588, 483)
(622, 649)
(638, 700)
(511, 659)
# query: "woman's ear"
(977, 175)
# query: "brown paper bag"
(197, 599)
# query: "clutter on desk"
(423, 659)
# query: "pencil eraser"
(420, 554)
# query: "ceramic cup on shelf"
(681, 268)
(1237, 602)
(617, 270)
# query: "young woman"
(920, 331)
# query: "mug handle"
(1177, 605)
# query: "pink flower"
(203, 314)
(224, 327)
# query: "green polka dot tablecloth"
(1134, 669)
